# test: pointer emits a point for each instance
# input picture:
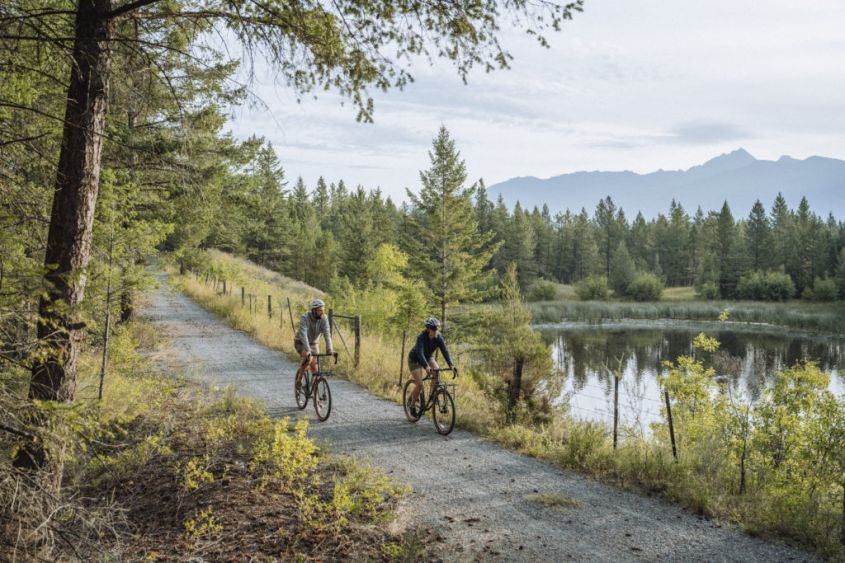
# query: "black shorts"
(413, 364)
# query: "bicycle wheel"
(443, 411)
(322, 398)
(301, 391)
(406, 401)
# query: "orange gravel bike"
(315, 386)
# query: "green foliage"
(505, 340)
(592, 288)
(622, 270)
(709, 290)
(771, 286)
(823, 291)
(645, 287)
(543, 290)
(446, 247)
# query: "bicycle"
(439, 401)
(316, 385)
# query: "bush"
(708, 290)
(771, 286)
(645, 287)
(542, 290)
(592, 288)
(823, 291)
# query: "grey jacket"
(310, 328)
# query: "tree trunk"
(72, 215)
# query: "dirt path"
(473, 493)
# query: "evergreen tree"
(610, 223)
(726, 252)
(450, 251)
(518, 246)
(781, 224)
(759, 237)
(640, 244)
(622, 270)
(322, 202)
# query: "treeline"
(328, 231)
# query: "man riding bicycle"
(421, 358)
(311, 325)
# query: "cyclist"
(311, 325)
(421, 358)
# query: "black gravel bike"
(315, 386)
(439, 401)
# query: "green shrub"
(771, 286)
(542, 290)
(592, 288)
(823, 291)
(645, 287)
(708, 290)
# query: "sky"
(627, 85)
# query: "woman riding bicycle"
(421, 358)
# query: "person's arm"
(441, 343)
(302, 333)
(419, 351)
(327, 334)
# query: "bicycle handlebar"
(333, 354)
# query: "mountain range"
(736, 177)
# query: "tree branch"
(130, 7)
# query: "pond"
(749, 358)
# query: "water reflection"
(588, 355)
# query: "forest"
(115, 164)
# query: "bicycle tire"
(322, 398)
(302, 392)
(406, 397)
(443, 412)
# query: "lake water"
(749, 358)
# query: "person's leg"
(418, 375)
(299, 372)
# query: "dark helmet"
(431, 322)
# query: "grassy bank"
(826, 317)
(703, 479)
(162, 470)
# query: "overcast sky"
(628, 85)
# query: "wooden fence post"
(671, 425)
(357, 339)
(515, 388)
(269, 306)
(243, 296)
(225, 291)
(290, 312)
(331, 321)
(615, 410)
(402, 359)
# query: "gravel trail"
(472, 493)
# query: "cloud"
(705, 132)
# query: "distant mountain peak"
(727, 161)
(736, 176)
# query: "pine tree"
(518, 246)
(322, 202)
(450, 252)
(781, 223)
(726, 252)
(609, 230)
(622, 270)
(759, 237)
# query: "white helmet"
(317, 303)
